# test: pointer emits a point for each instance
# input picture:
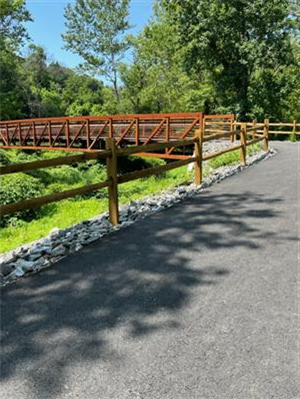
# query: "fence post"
(294, 126)
(198, 155)
(111, 162)
(266, 135)
(294, 134)
(254, 122)
(243, 138)
(231, 129)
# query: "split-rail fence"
(241, 136)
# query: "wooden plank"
(281, 124)
(47, 199)
(42, 148)
(215, 131)
(154, 171)
(220, 135)
(153, 147)
(113, 199)
(232, 138)
(256, 140)
(161, 156)
(48, 163)
(243, 138)
(198, 154)
(225, 123)
(173, 115)
(266, 134)
(281, 132)
(254, 129)
(220, 116)
(214, 154)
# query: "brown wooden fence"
(244, 136)
(274, 128)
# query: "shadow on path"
(135, 281)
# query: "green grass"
(69, 212)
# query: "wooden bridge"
(88, 133)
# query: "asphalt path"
(197, 301)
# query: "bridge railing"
(246, 136)
(88, 133)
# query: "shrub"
(19, 187)
(4, 157)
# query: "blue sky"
(48, 25)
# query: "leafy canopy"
(234, 39)
(95, 31)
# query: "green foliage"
(17, 188)
(242, 44)
(213, 56)
(13, 14)
(231, 157)
(99, 37)
(156, 80)
(81, 95)
(12, 98)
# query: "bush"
(4, 158)
(19, 187)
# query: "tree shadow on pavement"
(134, 282)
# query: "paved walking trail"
(198, 301)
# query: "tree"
(156, 80)
(12, 34)
(12, 98)
(95, 31)
(36, 79)
(82, 95)
(58, 73)
(235, 41)
(13, 14)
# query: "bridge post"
(243, 138)
(113, 201)
(198, 155)
(266, 134)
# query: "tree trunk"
(116, 87)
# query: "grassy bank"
(24, 229)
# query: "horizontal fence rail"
(274, 128)
(246, 135)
